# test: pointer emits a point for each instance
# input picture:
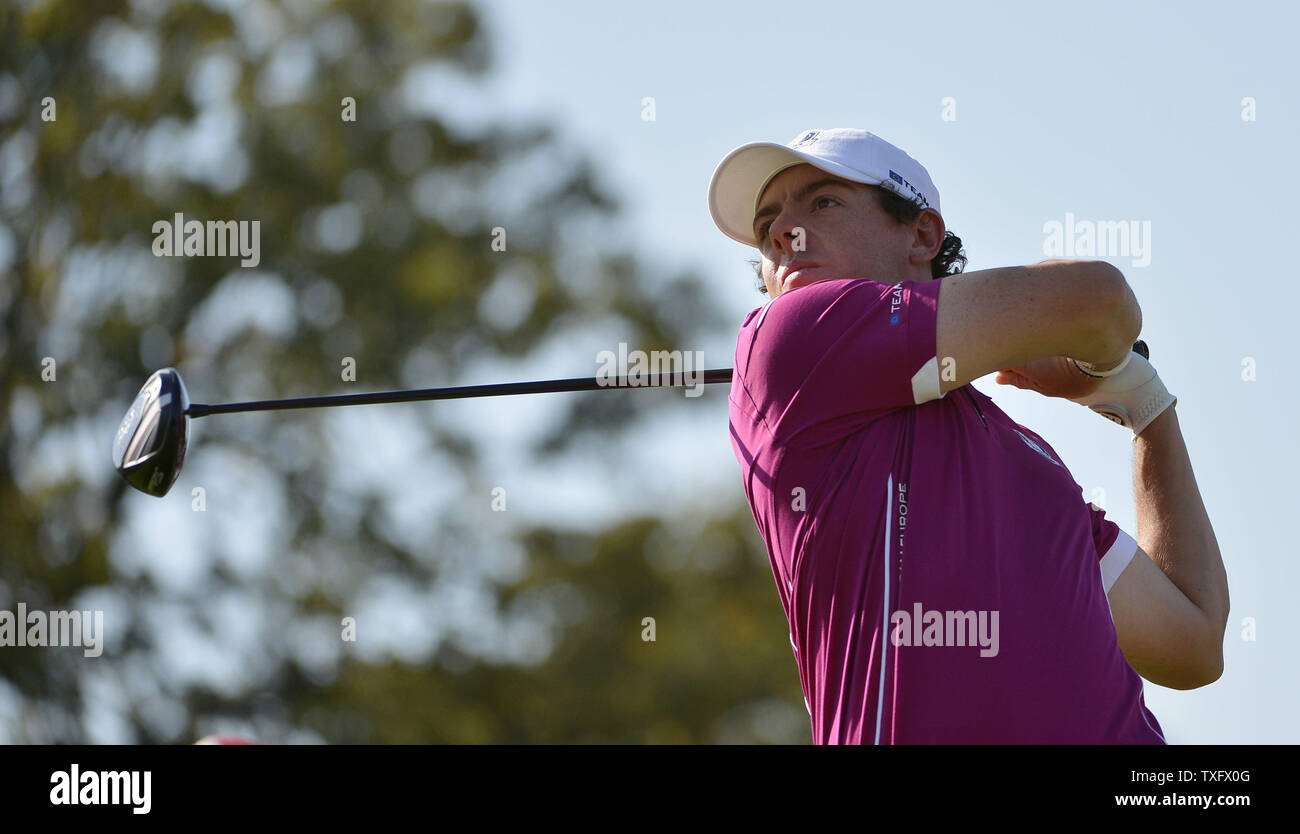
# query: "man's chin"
(802, 278)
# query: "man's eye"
(819, 199)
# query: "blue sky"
(1107, 112)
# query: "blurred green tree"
(335, 127)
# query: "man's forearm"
(1172, 525)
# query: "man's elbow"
(1215, 671)
(1211, 668)
(1209, 672)
(1207, 669)
(1123, 320)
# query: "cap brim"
(741, 176)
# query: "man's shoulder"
(754, 313)
(811, 299)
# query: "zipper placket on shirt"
(977, 406)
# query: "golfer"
(943, 578)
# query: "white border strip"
(884, 636)
(763, 315)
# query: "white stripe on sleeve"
(1117, 558)
(925, 382)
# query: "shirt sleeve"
(826, 359)
(1115, 548)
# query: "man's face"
(845, 233)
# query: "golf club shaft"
(548, 386)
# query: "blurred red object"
(220, 739)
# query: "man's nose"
(784, 231)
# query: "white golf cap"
(856, 155)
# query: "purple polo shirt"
(943, 578)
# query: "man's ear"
(928, 232)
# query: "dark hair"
(950, 260)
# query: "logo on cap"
(806, 138)
(894, 175)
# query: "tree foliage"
(376, 245)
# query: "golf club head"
(150, 445)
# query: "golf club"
(149, 449)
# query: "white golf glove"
(1131, 393)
